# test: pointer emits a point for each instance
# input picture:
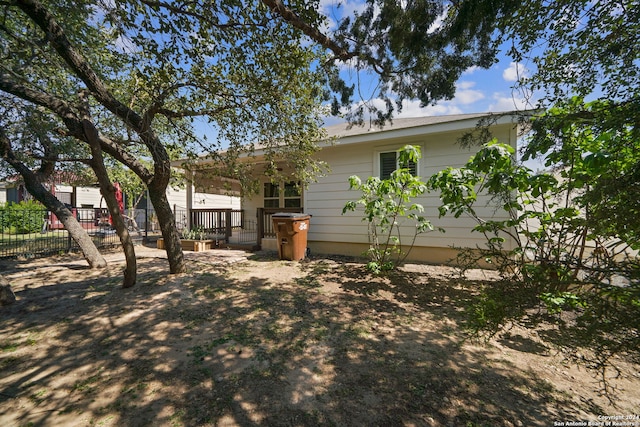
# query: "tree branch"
(205, 17)
(73, 123)
(51, 102)
(57, 38)
(290, 16)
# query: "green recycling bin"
(291, 232)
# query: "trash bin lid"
(290, 215)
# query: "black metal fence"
(31, 233)
(247, 235)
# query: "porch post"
(259, 226)
(227, 222)
(189, 176)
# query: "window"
(389, 163)
(289, 197)
(64, 197)
(292, 195)
(271, 195)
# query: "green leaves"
(577, 48)
(559, 302)
(387, 207)
(415, 50)
(22, 218)
(595, 148)
(561, 239)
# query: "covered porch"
(236, 229)
(251, 226)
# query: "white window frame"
(271, 198)
(282, 197)
(383, 150)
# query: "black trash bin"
(291, 232)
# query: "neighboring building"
(179, 198)
(90, 197)
(371, 152)
(3, 192)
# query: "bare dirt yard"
(248, 340)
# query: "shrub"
(387, 206)
(565, 253)
(24, 217)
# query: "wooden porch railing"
(222, 222)
(265, 224)
(217, 221)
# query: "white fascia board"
(418, 131)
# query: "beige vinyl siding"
(89, 196)
(177, 197)
(326, 198)
(251, 205)
(214, 201)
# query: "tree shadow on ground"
(245, 345)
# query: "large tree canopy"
(573, 229)
(128, 78)
(131, 77)
(412, 50)
(577, 48)
(586, 51)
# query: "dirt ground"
(248, 340)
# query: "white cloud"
(413, 109)
(514, 72)
(471, 70)
(439, 21)
(125, 45)
(465, 85)
(465, 95)
(504, 102)
(334, 10)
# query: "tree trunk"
(7, 297)
(108, 192)
(71, 224)
(86, 131)
(167, 222)
(41, 194)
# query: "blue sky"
(478, 90)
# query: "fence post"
(259, 226)
(228, 225)
(146, 224)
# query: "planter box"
(197, 245)
(191, 245)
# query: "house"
(3, 193)
(88, 201)
(365, 152)
(89, 196)
(62, 184)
